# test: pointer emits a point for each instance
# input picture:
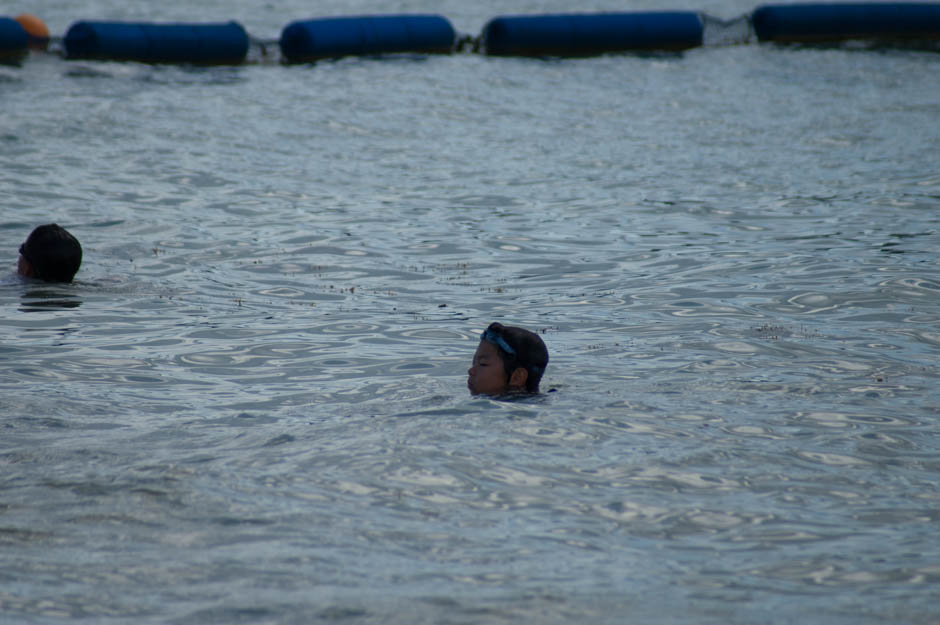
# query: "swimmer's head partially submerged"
(507, 360)
(50, 253)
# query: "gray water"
(251, 404)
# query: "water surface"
(251, 405)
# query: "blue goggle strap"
(491, 337)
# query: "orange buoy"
(36, 30)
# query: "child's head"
(508, 359)
(50, 253)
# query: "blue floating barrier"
(13, 38)
(589, 34)
(204, 44)
(820, 23)
(336, 37)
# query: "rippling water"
(251, 405)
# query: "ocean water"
(251, 405)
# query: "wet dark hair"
(519, 347)
(53, 252)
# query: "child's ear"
(518, 378)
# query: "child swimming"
(50, 253)
(507, 360)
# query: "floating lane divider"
(588, 34)
(14, 41)
(552, 35)
(821, 23)
(334, 37)
(201, 44)
(37, 33)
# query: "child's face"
(487, 375)
(24, 267)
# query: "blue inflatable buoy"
(336, 37)
(820, 23)
(204, 44)
(14, 40)
(588, 34)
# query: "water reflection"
(42, 299)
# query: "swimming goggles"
(491, 337)
(24, 254)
